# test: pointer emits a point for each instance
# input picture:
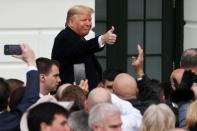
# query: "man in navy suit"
(9, 121)
(70, 46)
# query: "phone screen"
(79, 73)
(12, 50)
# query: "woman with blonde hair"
(158, 118)
(191, 117)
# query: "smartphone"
(12, 50)
(79, 72)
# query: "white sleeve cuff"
(32, 68)
(100, 42)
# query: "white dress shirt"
(131, 117)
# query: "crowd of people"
(112, 100)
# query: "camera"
(12, 49)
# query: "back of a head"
(44, 112)
(191, 115)
(16, 96)
(100, 111)
(158, 118)
(157, 88)
(176, 77)
(4, 94)
(189, 58)
(44, 65)
(14, 84)
(125, 86)
(98, 95)
(76, 94)
(60, 90)
(76, 10)
(78, 121)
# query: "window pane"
(135, 36)
(153, 37)
(130, 68)
(153, 67)
(100, 9)
(135, 9)
(100, 28)
(154, 9)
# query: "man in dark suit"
(9, 121)
(70, 46)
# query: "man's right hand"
(27, 55)
(137, 63)
(109, 37)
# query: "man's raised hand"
(109, 37)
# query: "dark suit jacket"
(148, 96)
(70, 49)
(10, 121)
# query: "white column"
(190, 28)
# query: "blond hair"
(158, 118)
(191, 115)
(77, 10)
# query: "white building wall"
(35, 22)
(190, 28)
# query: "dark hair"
(16, 96)
(110, 74)
(14, 84)
(189, 58)
(157, 88)
(155, 93)
(44, 112)
(44, 65)
(4, 94)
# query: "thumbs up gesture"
(109, 37)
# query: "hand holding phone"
(12, 49)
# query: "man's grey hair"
(100, 111)
(189, 58)
(78, 121)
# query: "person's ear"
(44, 127)
(95, 127)
(42, 77)
(86, 106)
(162, 98)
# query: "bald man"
(130, 116)
(125, 86)
(189, 60)
(97, 95)
(175, 78)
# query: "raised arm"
(143, 81)
(32, 85)
(137, 63)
